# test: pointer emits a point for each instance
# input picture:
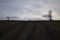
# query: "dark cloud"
(32, 8)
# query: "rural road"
(26, 31)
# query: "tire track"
(50, 34)
(32, 32)
(19, 33)
(28, 29)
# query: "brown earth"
(29, 30)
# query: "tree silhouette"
(8, 18)
(49, 15)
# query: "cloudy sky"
(30, 9)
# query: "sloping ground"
(29, 30)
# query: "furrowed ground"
(29, 30)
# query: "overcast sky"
(30, 9)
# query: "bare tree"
(49, 15)
(8, 18)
